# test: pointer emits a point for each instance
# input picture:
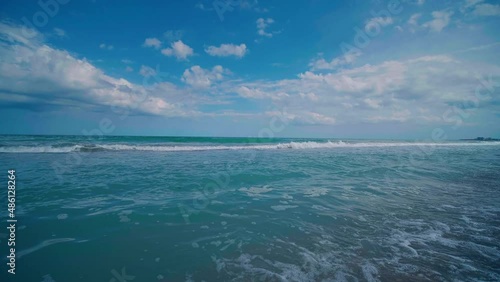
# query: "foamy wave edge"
(170, 148)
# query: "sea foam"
(254, 146)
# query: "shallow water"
(286, 210)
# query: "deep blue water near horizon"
(219, 209)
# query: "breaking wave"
(171, 148)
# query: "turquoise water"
(239, 209)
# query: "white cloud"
(386, 92)
(59, 32)
(440, 21)
(378, 21)
(127, 61)
(322, 64)
(147, 71)
(369, 78)
(20, 35)
(311, 96)
(396, 115)
(246, 92)
(311, 118)
(262, 25)
(202, 78)
(226, 50)
(106, 46)
(486, 10)
(255, 93)
(179, 50)
(47, 76)
(152, 42)
(302, 117)
(390, 91)
(414, 18)
(315, 118)
(436, 58)
(129, 69)
(471, 3)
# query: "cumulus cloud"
(262, 25)
(198, 77)
(152, 42)
(385, 92)
(48, 76)
(179, 50)
(226, 50)
(440, 20)
(420, 89)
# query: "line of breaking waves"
(172, 148)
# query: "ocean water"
(240, 209)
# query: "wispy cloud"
(262, 25)
(59, 32)
(226, 50)
(147, 71)
(378, 21)
(486, 10)
(322, 64)
(106, 46)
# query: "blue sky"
(412, 69)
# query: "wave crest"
(171, 148)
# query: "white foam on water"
(189, 277)
(182, 148)
(316, 192)
(307, 265)
(228, 215)
(320, 208)
(283, 207)
(255, 191)
(216, 243)
(39, 149)
(42, 245)
(369, 272)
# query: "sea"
(128, 208)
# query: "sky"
(407, 69)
